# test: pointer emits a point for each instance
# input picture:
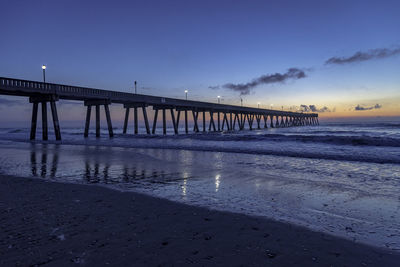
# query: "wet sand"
(68, 224)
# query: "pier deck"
(227, 116)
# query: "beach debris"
(270, 254)
(207, 237)
(164, 243)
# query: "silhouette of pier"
(221, 117)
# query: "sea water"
(337, 178)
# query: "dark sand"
(66, 224)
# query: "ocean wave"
(289, 149)
(328, 139)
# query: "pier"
(221, 117)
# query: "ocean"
(338, 178)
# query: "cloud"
(364, 56)
(361, 108)
(245, 88)
(214, 87)
(304, 108)
(313, 108)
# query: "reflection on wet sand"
(43, 153)
(93, 168)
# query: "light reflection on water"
(325, 195)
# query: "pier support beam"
(219, 123)
(225, 120)
(155, 121)
(250, 119)
(34, 120)
(211, 124)
(97, 120)
(135, 107)
(178, 117)
(195, 116)
(43, 99)
(204, 120)
(97, 103)
(87, 124)
(56, 123)
(230, 122)
(44, 121)
(271, 121)
(146, 120)
(174, 122)
(108, 117)
(258, 119)
(164, 122)
(126, 120)
(265, 121)
(236, 118)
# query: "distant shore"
(62, 224)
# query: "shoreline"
(62, 223)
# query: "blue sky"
(170, 46)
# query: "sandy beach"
(66, 224)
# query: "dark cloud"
(361, 108)
(364, 56)
(313, 108)
(245, 88)
(214, 87)
(304, 108)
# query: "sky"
(339, 58)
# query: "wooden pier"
(221, 117)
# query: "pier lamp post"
(135, 87)
(241, 102)
(258, 105)
(44, 73)
(186, 91)
(219, 98)
(272, 105)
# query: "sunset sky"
(340, 57)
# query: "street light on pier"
(241, 102)
(186, 91)
(272, 105)
(44, 73)
(135, 87)
(219, 98)
(258, 105)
